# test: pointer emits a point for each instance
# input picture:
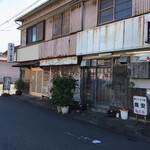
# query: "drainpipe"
(82, 22)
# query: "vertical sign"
(6, 83)
(10, 53)
(148, 34)
(140, 104)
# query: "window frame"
(114, 7)
(31, 28)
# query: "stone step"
(101, 108)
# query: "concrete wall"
(6, 69)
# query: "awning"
(28, 64)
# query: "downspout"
(82, 21)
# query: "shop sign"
(148, 34)
(6, 83)
(10, 52)
(140, 105)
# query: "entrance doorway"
(95, 83)
(36, 82)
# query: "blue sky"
(8, 31)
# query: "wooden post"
(136, 119)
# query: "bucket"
(124, 114)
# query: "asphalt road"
(24, 126)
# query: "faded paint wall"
(28, 53)
(76, 18)
(73, 70)
(48, 29)
(23, 38)
(140, 7)
(6, 69)
(90, 14)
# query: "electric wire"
(7, 21)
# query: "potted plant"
(19, 85)
(62, 92)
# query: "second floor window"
(110, 10)
(61, 24)
(35, 33)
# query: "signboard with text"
(6, 83)
(10, 53)
(140, 105)
(148, 34)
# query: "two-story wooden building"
(101, 43)
(48, 44)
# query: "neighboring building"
(6, 70)
(100, 41)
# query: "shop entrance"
(95, 83)
(36, 82)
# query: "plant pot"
(59, 109)
(65, 109)
(124, 114)
(18, 93)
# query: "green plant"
(19, 85)
(62, 91)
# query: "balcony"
(62, 47)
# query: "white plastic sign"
(140, 104)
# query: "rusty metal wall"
(90, 14)
(123, 35)
(65, 46)
(76, 18)
(140, 7)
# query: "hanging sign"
(6, 83)
(140, 105)
(10, 53)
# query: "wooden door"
(36, 82)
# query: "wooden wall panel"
(76, 18)
(65, 22)
(57, 25)
(140, 7)
(90, 14)
(48, 29)
(46, 10)
(40, 31)
(23, 38)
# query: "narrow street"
(27, 127)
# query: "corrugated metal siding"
(140, 7)
(65, 46)
(122, 35)
(90, 14)
(75, 18)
